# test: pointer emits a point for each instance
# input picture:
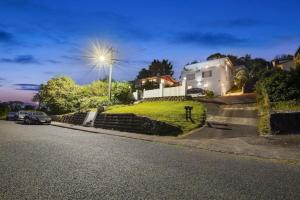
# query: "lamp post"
(109, 81)
(101, 55)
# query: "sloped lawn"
(172, 112)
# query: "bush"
(121, 93)
(280, 85)
(94, 102)
(209, 93)
(4, 110)
(62, 95)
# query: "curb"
(174, 142)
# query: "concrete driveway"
(229, 120)
(47, 162)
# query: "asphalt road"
(46, 162)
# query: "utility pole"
(109, 81)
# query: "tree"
(161, 68)
(29, 107)
(4, 109)
(144, 73)
(241, 77)
(61, 95)
(284, 57)
(215, 56)
(157, 68)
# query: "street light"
(101, 55)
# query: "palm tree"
(241, 77)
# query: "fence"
(163, 91)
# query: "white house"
(214, 75)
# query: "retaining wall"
(134, 123)
(75, 118)
(179, 98)
(285, 123)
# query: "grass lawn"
(171, 112)
(286, 106)
(264, 120)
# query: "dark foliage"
(279, 85)
(157, 68)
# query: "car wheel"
(27, 121)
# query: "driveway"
(47, 162)
(237, 117)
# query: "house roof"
(209, 63)
(297, 52)
(169, 78)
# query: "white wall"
(221, 80)
(165, 92)
(135, 95)
(151, 93)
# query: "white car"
(20, 115)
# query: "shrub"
(121, 93)
(280, 85)
(62, 95)
(209, 93)
(94, 102)
(4, 109)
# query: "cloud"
(5, 37)
(243, 23)
(208, 39)
(49, 73)
(53, 61)
(21, 59)
(27, 86)
(1, 81)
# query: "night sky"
(40, 39)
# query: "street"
(47, 162)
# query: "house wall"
(297, 59)
(220, 81)
(287, 66)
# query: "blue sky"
(40, 39)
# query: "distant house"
(214, 75)
(167, 79)
(297, 57)
(286, 63)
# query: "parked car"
(37, 117)
(11, 116)
(20, 115)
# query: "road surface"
(46, 162)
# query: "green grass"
(264, 120)
(286, 106)
(167, 111)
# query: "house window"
(207, 74)
(190, 77)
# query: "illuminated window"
(207, 74)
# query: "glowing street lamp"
(101, 55)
